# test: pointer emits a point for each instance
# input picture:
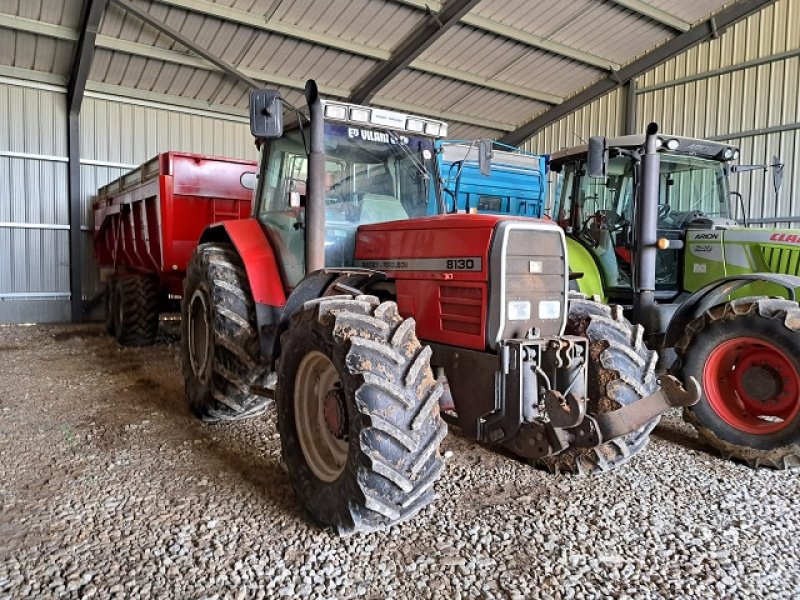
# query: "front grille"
(533, 266)
(460, 308)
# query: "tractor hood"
(472, 280)
(713, 254)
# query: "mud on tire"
(777, 322)
(134, 305)
(392, 431)
(219, 337)
(621, 371)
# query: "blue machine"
(517, 183)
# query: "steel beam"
(411, 48)
(224, 66)
(111, 43)
(304, 34)
(84, 53)
(180, 58)
(76, 86)
(697, 34)
(656, 14)
(518, 35)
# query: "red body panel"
(259, 260)
(149, 220)
(449, 306)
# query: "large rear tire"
(358, 413)
(134, 305)
(108, 303)
(621, 372)
(219, 337)
(746, 354)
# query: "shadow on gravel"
(689, 442)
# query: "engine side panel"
(441, 277)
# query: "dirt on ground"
(109, 487)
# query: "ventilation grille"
(460, 309)
(782, 260)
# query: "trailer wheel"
(746, 354)
(358, 413)
(621, 372)
(108, 301)
(135, 310)
(219, 337)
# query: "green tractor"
(649, 226)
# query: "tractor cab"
(378, 167)
(598, 212)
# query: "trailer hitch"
(597, 429)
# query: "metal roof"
(501, 64)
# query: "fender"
(580, 260)
(257, 255)
(322, 283)
(714, 293)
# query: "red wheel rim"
(752, 385)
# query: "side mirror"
(485, 157)
(248, 180)
(266, 114)
(597, 159)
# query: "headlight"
(727, 154)
(414, 125)
(673, 144)
(359, 114)
(333, 111)
(432, 128)
(735, 155)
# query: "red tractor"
(371, 324)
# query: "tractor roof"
(685, 146)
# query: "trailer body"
(147, 224)
(148, 221)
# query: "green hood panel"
(711, 255)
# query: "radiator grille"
(534, 271)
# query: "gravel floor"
(109, 488)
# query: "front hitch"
(597, 429)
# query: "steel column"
(710, 28)
(81, 65)
(630, 107)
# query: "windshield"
(371, 176)
(599, 211)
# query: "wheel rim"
(321, 416)
(752, 385)
(199, 330)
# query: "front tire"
(621, 372)
(746, 354)
(358, 414)
(219, 337)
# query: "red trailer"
(147, 224)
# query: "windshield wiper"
(418, 164)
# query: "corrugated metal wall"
(34, 229)
(116, 135)
(741, 88)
